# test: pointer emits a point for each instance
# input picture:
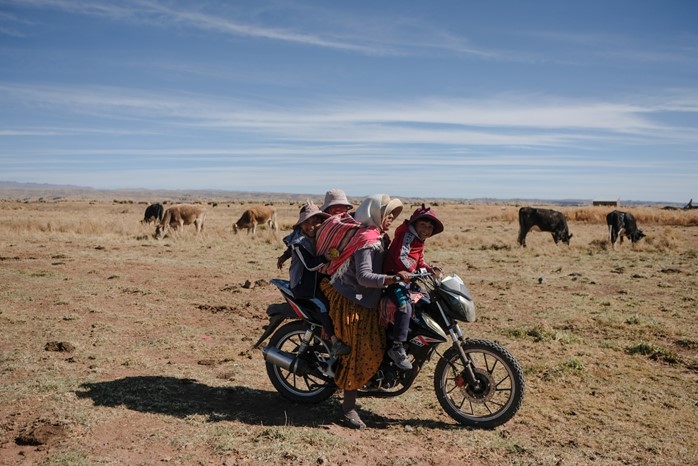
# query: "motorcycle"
(477, 382)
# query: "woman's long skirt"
(360, 328)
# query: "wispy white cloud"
(33, 132)
(164, 15)
(510, 120)
(341, 35)
(10, 25)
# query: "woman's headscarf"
(371, 214)
(375, 208)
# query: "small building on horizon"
(615, 203)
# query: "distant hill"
(52, 192)
(11, 190)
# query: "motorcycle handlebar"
(398, 278)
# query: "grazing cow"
(623, 224)
(546, 220)
(153, 213)
(178, 215)
(254, 216)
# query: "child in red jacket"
(406, 253)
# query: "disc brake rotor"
(487, 386)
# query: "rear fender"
(277, 313)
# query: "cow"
(622, 224)
(178, 215)
(153, 213)
(546, 220)
(260, 215)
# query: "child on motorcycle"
(305, 270)
(406, 253)
(336, 203)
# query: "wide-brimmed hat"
(393, 205)
(309, 210)
(427, 213)
(335, 196)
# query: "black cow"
(623, 224)
(153, 213)
(545, 219)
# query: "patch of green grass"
(573, 365)
(654, 352)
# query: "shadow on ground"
(186, 397)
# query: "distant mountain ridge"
(12, 190)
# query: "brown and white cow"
(546, 220)
(260, 215)
(178, 215)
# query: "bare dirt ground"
(116, 348)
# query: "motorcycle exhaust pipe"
(283, 360)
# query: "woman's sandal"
(352, 419)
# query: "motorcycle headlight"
(456, 296)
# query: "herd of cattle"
(179, 215)
(620, 224)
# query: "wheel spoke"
(472, 408)
(506, 378)
(491, 370)
(495, 403)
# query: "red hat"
(426, 213)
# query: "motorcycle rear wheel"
(299, 388)
(502, 385)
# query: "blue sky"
(456, 99)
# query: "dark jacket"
(304, 273)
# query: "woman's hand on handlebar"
(401, 276)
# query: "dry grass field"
(116, 348)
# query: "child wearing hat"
(305, 269)
(336, 203)
(406, 253)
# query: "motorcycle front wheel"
(500, 392)
(306, 388)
